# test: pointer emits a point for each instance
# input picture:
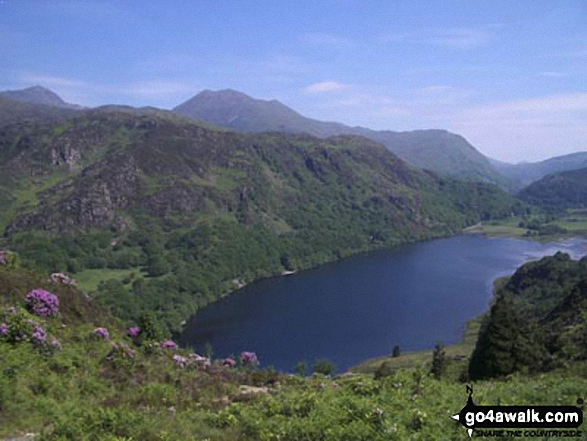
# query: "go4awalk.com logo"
(520, 421)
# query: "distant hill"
(528, 172)
(13, 111)
(559, 190)
(436, 150)
(38, 95)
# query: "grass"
(574, 221)
(89, 279)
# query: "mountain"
(196, 209)
(38, 95)
(559, 190)
(436, 150)
(14, 111)
(528, 172)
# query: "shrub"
(42, 303)
(324, 367)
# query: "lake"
(361, 307)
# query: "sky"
(510, 76)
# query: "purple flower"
(3, 329)
(39, 335)
(249, 359)
(134, 331)
(180, 361)
(228, 362)
(42, 303)
(102, 332)
(3, 258)
(56, 345)
(168, 344)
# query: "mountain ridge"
(420, 148)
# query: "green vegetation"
(544, 227)
(195, 213)
(437, 150)
(567, 189)
(538, 321)
(110, 386)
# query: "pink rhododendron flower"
(42, 303)
(168, 344)
(228, 362)
(249, 359)
(102, 332)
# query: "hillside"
(14, 111)
(191, 212)
(71, 371)
(527, 172)
(537, 322)
(559, 190)
(436, 150)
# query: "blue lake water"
(359, 308)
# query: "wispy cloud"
(52, 81)
(148, 92)
(454, 38)
(529, 129)
(326, 87)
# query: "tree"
(396, 351)
(507, 343)
(324, 367)
(438, 361)
(301, 368)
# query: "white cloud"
(326, 87)
(454, 38)
(528, 129)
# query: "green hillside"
(559, 190)
(193, 212)
(437, 150)
(77, 373)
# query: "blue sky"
(510, 76)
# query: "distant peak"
(37, 94)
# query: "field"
(573, 221)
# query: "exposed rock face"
(94, 199)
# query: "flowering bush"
(202, 361)
(17, 327)
(134, 332)
(168, 344)
(62, 278)
(39, 336)
(42, 303)
(102, 333)
(249, 359)
(180, 361)
(228, 362)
